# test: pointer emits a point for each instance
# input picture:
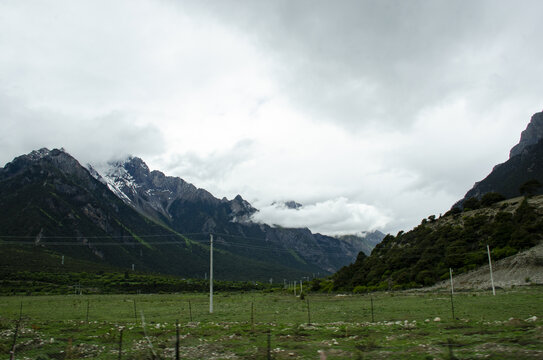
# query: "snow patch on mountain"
(115, 177)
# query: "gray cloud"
(359, 62)
(113, 135)
(210, 169)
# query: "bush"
(500, 253)
(327, 286)
(454, 211)
(491, 198)
(360, 289)
(472, 204)
(530, 187)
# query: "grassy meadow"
(277, 325)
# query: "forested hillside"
(457, 240)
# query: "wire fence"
(276, 324)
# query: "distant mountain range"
(123, 214)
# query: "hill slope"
(525, 163)
(523, 268)
(424, 255)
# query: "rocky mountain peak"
(152, 192)
(39, 154)
(241, 209)
(58, 158)
(292, 205)
(45, 153)
(136, 167)
(530, 136)
(524, 164)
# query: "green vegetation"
(139, 239)
(403, 326)
(424, 255)
(46, 283)
(296, 256)
(530, 187)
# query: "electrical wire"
(172, 242)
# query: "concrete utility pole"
(211, 274)
(62, 259)
(452, 287)
(294, 287)
(490, 265)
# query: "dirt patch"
(525, 268)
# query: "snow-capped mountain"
(153, 193)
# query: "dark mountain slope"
(525, 163)
(365, 242)
(507, 178)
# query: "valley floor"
(256, 325)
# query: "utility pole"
(452, 293)
(211, 274)
(294, 287)
(490, 265)
(452, 287)
(62, 259)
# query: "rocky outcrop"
(153, 193)
(530, 136)
(525, 164)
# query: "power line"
(181, 242)
(176, 242)
(97, 237)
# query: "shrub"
(530, 187)
(491, 198)
(360, 289)
(472, 203)
(500, 253)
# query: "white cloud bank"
(333, 217)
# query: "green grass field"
(403, 326)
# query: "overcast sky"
(372, 114)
